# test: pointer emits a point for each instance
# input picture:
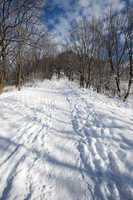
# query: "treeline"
(98, 52)
(24, 40)
(102, 53)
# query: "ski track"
(64, 143)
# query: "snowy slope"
(58, 142)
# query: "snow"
(61, 142)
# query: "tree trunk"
(130, 74)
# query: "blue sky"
(60, 14)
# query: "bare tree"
(14, 14)
(129, 48)
(115, 46)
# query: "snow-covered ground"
(58, 142)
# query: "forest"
(98, 52)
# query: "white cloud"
(61, 31)
(84, 3)
(84, 8)
(116, 4)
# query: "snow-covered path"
(59, 142)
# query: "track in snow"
(58, 142)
